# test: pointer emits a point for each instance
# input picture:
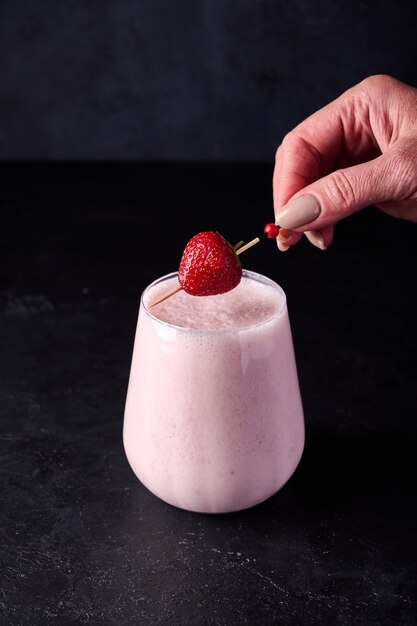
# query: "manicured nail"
(298, 212)
(282, 246)
(316, 238)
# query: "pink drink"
(214, 420)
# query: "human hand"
(360, 149)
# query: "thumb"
(391, 176)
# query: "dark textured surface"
(197, 80)
(82, 541)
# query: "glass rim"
(260, 278)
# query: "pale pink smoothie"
(213, 419)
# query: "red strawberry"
(209, 265)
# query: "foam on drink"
(250, 303)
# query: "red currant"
(271, 230)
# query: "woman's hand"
(359, 150)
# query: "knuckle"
(403, 164)
(289, 145)
(340, 191)
(372, 87)
(290, 139)
(295, 143)
(379, 82)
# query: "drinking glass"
(214, 420)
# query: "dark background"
(85, 87)
(81, 540)
(189, 80)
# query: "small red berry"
(209, 265)
(271, 230)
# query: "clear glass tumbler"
(214, 420)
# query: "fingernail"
(283, 238)
(298, 212)
(282, 246)
(316, 238)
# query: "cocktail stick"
(248, 245)
(168, 295)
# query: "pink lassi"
(213, 419)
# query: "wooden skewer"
(168, 295)
(179, 288)
(248, 245)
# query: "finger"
(298, 163)
(340, 131)
(289, 237)
(338, 134)
(320, 238)
(327, 234)
(392, 176)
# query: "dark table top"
(82, 541)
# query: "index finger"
(306, 154)
(338, 134)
